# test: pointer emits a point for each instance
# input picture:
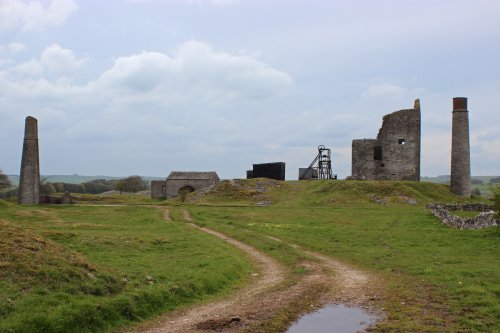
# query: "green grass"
(126, 198)
(447, 279)
(465, 213)
(92, 269)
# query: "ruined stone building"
(180, 182)
(29, 183)
(395, 153)
(460, 149)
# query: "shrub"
(131, 184)
(4, 181)
(495, 180)
(496, 199)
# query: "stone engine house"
(179, 182)
(395, 153)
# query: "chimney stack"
(29, 183)
(460, 149)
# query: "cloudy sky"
(149, 86)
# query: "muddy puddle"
(333, 319)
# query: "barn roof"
(193, 175)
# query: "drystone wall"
(485, 219)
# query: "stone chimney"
(29, 183)
(460, 150)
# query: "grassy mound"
(236, 192)
(92, 269)
(321, 193)
(33, 263)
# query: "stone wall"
(486, 217)
(179, 181)
(158, 189)
(395, 154)
(364, 165)
(64, 199)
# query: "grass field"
(92, 269)
(438, 279)
(482, 183)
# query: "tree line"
(129, 184)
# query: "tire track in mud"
(227, 312)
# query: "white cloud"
(15, 47)
(384, 90)
(195, 94)
(30, 68)
(191, 2)
(59, 59)
(195, 73)
(195, 83)
(18, 14)
(224, 2)
(53, 58)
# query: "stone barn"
(395, 153)
(181, 182)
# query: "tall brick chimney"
(460, 150)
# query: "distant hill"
(479, 183)
(446, 179)
(75, 179)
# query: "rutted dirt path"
(269, 292)
(228, 312)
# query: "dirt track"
(268, 293)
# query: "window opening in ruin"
(377, 153)
(382, 165)
(401, 141)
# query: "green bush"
(495, 190)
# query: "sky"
(151, 86)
